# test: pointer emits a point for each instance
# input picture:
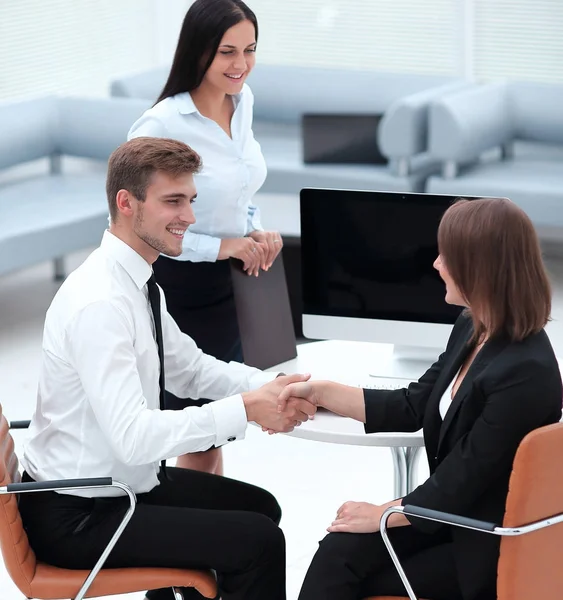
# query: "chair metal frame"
(90, 483)
(457, 521)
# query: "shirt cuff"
(261, 378)
(200, 248)
(253, 223)
(230, 419)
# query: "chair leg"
(178, 594)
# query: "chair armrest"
(463, 125)
(403, 131)
(19, 424)
(456, 521)
(59, 484)
(82, 484)
(447, 518)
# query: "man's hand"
(340, 399)
(272, 242)
(249, 251)
(262, 405)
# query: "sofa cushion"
(535, 185)
(49, 216)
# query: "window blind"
(72, 46)
(400, 36)
(518, 39)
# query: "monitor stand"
(405, 362)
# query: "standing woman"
(206, 104)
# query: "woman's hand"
(273, 243)
(249, 251)
(361, 517)
(357, 517)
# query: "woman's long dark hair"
(204, 26)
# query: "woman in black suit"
(497, 380)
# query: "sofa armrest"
(464, 125)
(28, 130)
(146, 85)
(403, 131)
(95, 127)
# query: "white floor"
(311, 480)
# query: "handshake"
(282, 404)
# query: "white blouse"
(233, 169)
(446, 399)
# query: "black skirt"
(199, 296)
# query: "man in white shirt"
(98, 404)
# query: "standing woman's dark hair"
(203, 28)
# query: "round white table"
(351, 363)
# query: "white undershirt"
(446, 399)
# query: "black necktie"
(154, 299)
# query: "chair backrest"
(530, 564)
(18, 556)
(264, 316)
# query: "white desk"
(350, 362)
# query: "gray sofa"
(49, 207)
(502, 139)
(283, 94)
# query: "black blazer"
(510, 389)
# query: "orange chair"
(532, 545)
(39, 580)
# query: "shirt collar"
(134, 264)
(186, 105)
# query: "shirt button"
(231, 439)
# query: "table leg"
(412, 456)
(400, 471)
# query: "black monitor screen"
(370, 254)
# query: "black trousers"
(191, 520)
(353, 566)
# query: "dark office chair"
(42, 581)
(530, 551)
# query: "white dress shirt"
(233, 169)
(97, 410)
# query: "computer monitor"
(367, 273)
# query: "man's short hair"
(132, 165)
